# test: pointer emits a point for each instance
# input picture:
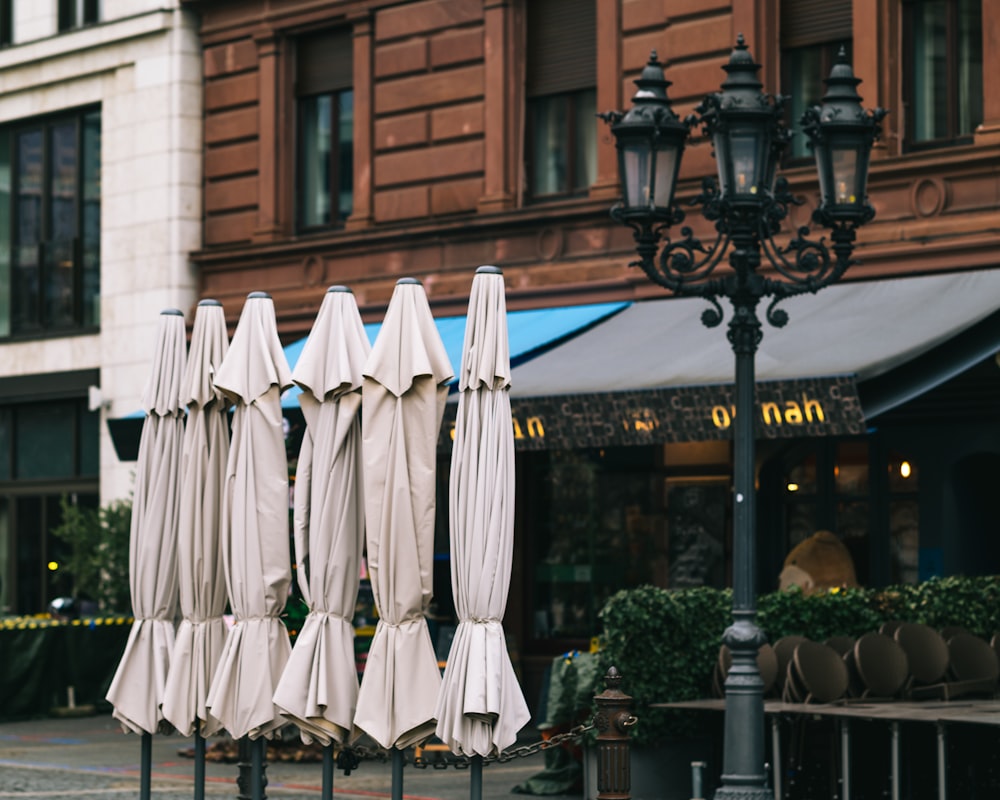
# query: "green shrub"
(840, 612)
(98, 542)
(970, 603)
(665, 643)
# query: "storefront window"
(48, 449)
(802, 477)
(800, 496)
(850, 470)
(864, 494)
(697, 526)
(5, 557)
(604, 520)
(904, 519)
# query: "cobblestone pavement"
(90, 758)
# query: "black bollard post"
(614, 718)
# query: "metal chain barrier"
(350, 758)
(612, 722)
(444, 760)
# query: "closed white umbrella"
(319, 687)
(202, 631)
(481, 707)
(255, 552)
(403, 400)
(137, 690)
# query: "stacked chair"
(900, 661)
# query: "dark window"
(77, 13)
(904, 519)
(812, 33)
(562, 99)
(50, 224)
(47, 448)
(943, 71)
(325, 152)
(6, 22)
(866, 496)
(48, 440)
(604, 520)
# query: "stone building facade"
(100, 207)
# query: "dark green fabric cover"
(39, 660)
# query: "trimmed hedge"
(665, 643)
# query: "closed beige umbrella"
(137, 690)
(202, 631)
(481, 707)
(255, 552)
(319, 687)
(403, 400)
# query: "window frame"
(563, 73)
(41, 326)
(828, 57)
(28, 392)
(952, 138)
(74, 14)
(334, 172)
(322, 66)
(572, 150)
(6, 23)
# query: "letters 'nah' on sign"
(785, 409)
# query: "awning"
(655, 373)
(862, 329)
(531, 332)
(638, 373)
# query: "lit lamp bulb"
(905, 470)
(793, 487)
(53, 566)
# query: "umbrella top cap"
(258, 296)
(339, 289)
(209, 303)
(407, 282)
(172, 312)
(489, 270)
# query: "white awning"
(860, 329)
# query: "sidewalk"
(90, 758)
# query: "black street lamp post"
(747, 206)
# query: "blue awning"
(530, 333)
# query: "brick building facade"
(361, 141)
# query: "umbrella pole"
(476, 778)
(199, 764)
(257, 780)
(327, 788)
(145, 765)
(397, 774)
